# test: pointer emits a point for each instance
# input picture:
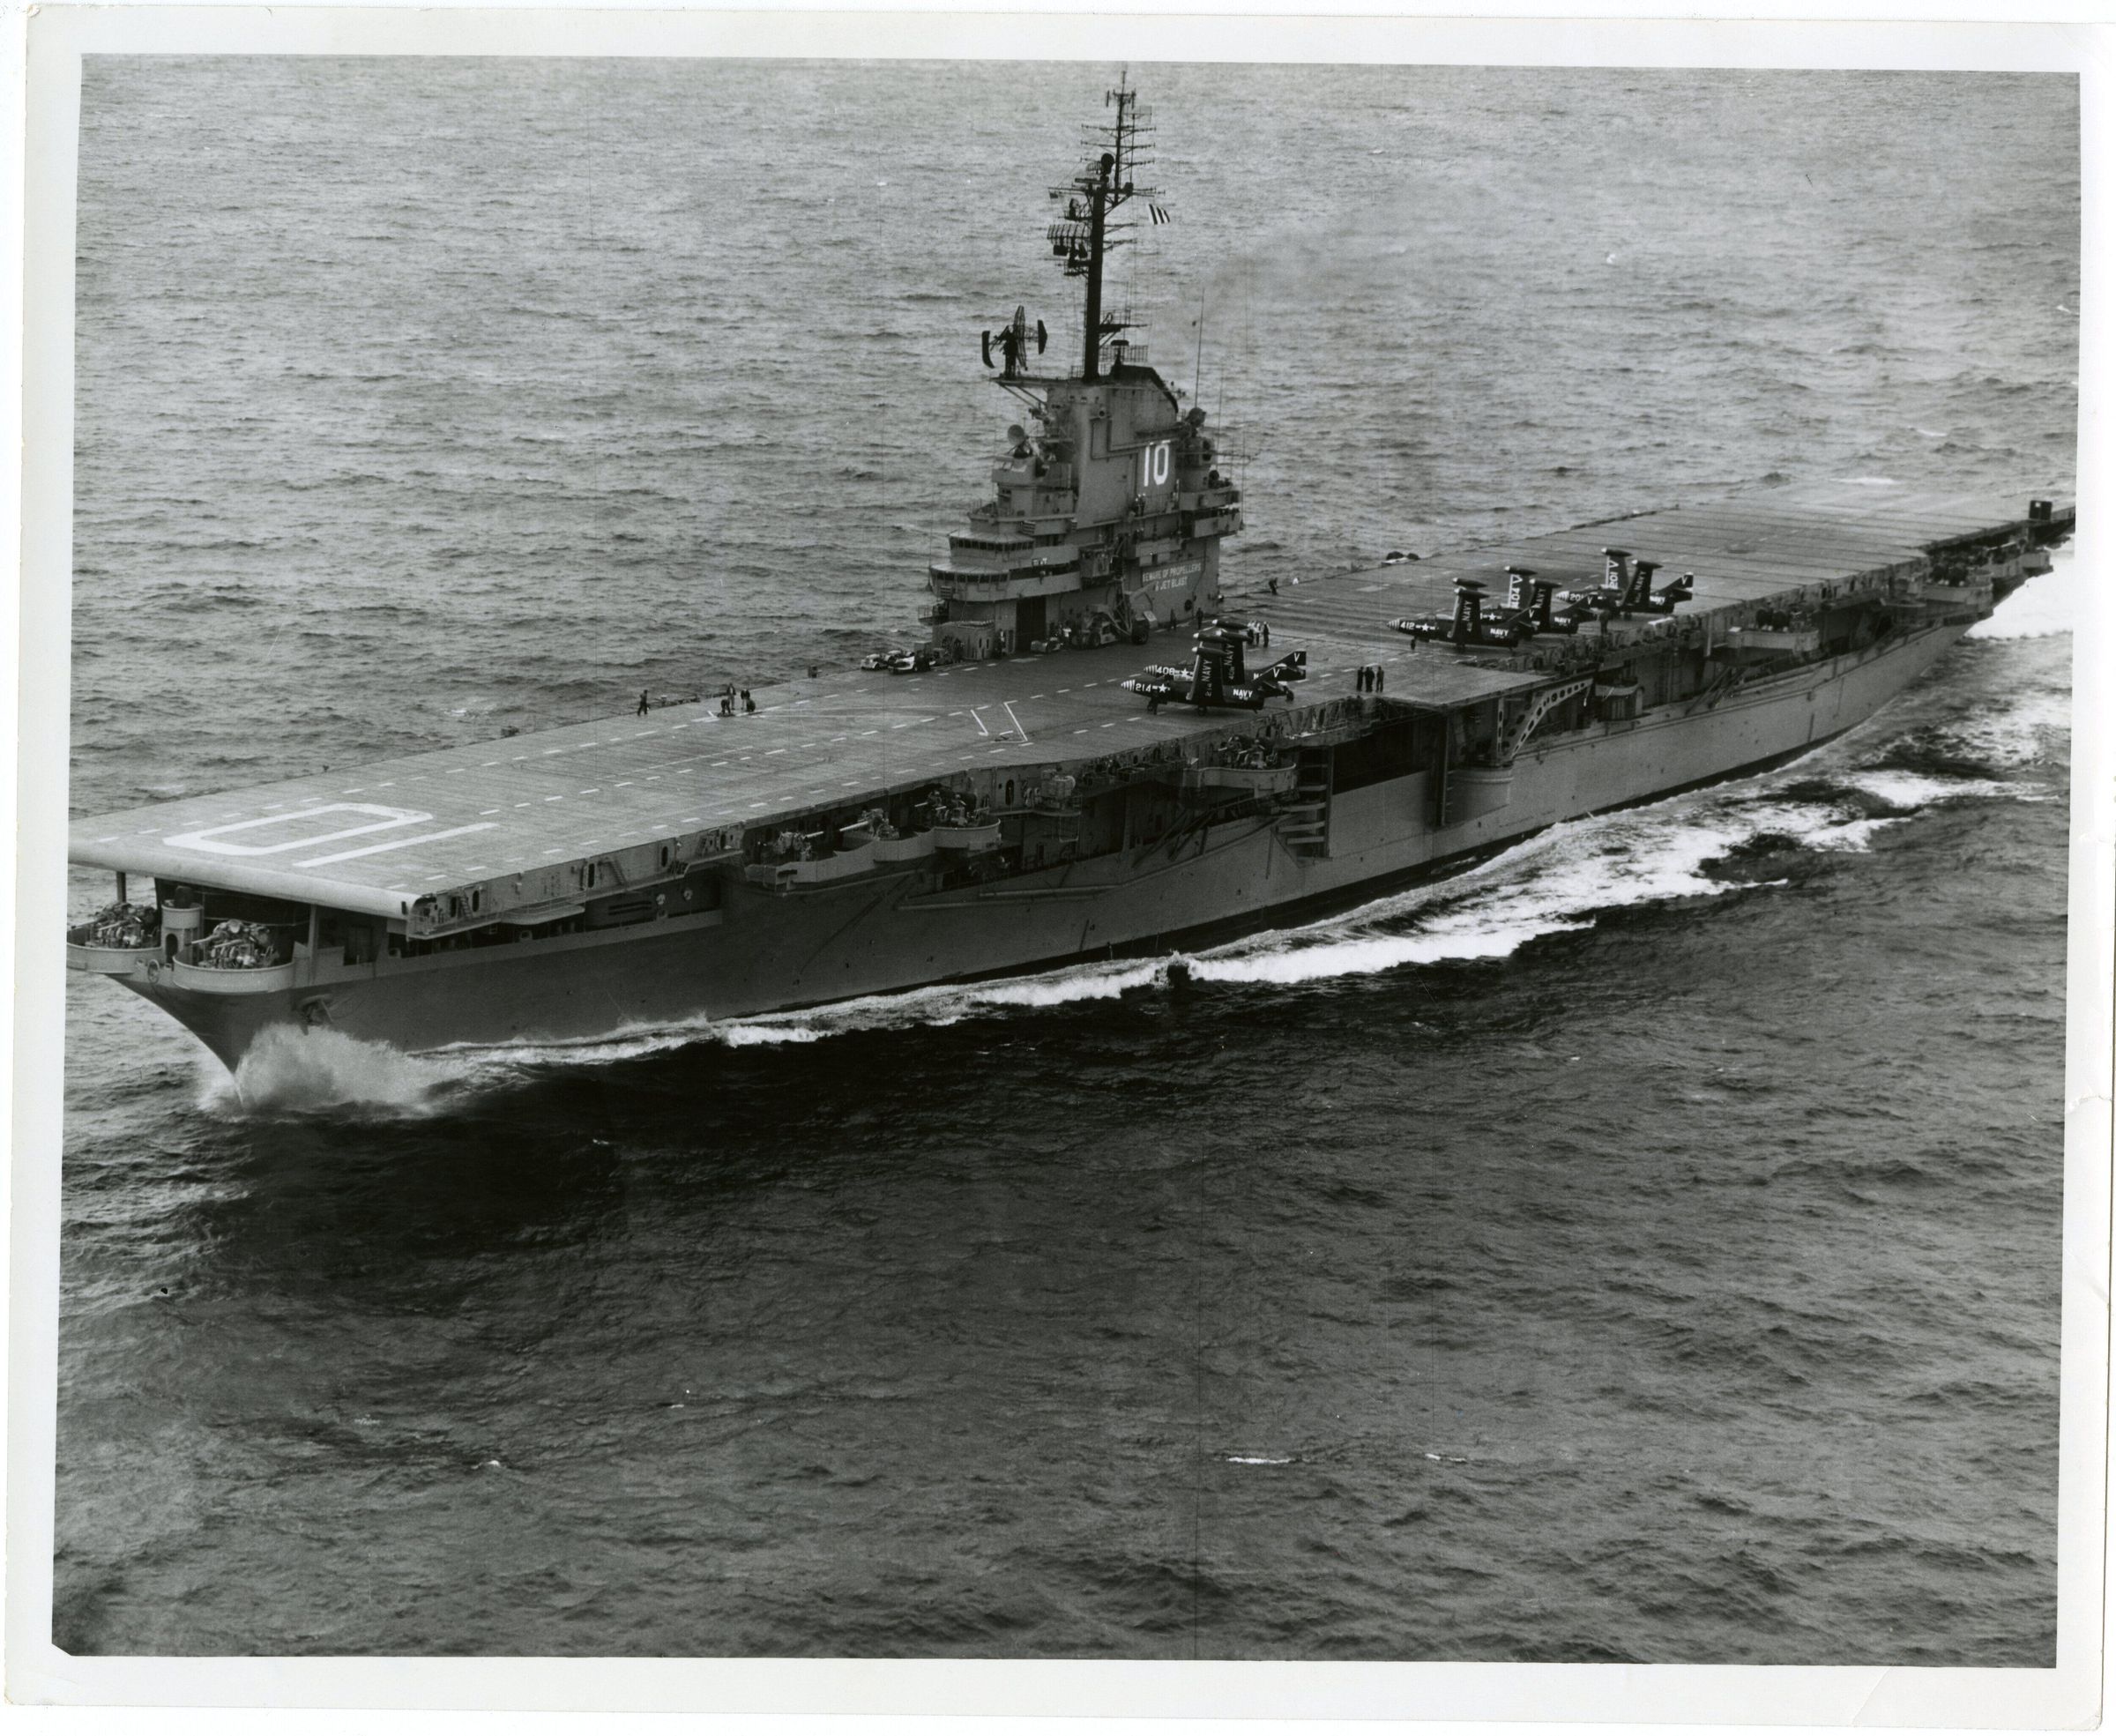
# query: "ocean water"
(1644, 1247)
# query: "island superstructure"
(1108, 510)
(1098, 751)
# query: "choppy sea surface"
(1644, 1248)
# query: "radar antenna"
(1014, 344)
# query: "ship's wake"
(1560, 882)
(941, 1004)
(1563, 880)
(1730, 841)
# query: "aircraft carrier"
(1098, 750)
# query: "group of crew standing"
(729, 694)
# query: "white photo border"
(46, 44)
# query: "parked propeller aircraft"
(1215, 676)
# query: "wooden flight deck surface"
(376, 838)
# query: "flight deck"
(377, 840)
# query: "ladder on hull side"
(1304, 822)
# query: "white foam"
(1370, 954)
(765, 1036)
(1561, 880)
(1832, 828)
(1913, 790)
(2021, 735)
(291, 1071)
(1094, 982)
(947, 1003)
(2044, 607)
(1553, 885)
(931, 1007)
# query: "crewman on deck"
(642, 702)
(748, 705)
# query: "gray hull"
(766, 952)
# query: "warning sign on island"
(1180, 577)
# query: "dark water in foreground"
(1646, 1248)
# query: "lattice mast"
(1118, 148)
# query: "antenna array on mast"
(1117, 149)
